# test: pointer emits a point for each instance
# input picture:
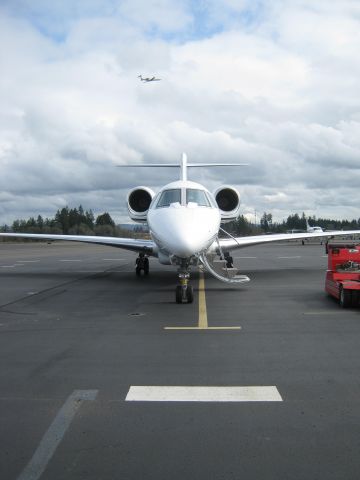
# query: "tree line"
(77, 221)
(72, 221)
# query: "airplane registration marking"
(203, 394)
(203, 321)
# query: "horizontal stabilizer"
(183, 165)
(189, 165)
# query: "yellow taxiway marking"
(203, 321)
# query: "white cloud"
(275, 86)
(165, 15)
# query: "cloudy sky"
(274, 83)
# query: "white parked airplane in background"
(184, 222)
(312, 229)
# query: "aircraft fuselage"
(183, 220)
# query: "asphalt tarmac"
(78, 329)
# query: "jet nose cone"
(183, 231)
(185, 242)
(190, 235)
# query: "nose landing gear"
(184, 292)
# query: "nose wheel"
(184, 292)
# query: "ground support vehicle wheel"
(355, 298)
(345, 298)
(189, 294)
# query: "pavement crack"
(51, 289)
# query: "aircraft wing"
(137, 245)
(240, 242)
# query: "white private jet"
(184, 222)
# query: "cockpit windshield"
(197, 196)
(168, 197)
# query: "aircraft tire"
(189, 294)
(178, 294)
(345, 298)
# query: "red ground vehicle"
(343, 274)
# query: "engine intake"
(228, 201)
(138, 203)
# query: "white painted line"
(50, 441)
(70, 260)
(8, 266)
(245, 257)
(203, 394)
(327, 312)
(27, 261)
(89, 271)
(202, 328)
(112, 259)
(297, 256)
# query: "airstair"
(216, 264)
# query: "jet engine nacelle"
(228, 201)
(138, 203)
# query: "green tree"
(266, 221)
(40, 222)
(105, 219)
(62, 218)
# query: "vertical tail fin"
(183, 167)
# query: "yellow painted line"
(203, 321)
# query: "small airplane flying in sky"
(149, 79)
(184, 220)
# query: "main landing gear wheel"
(142, 263)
